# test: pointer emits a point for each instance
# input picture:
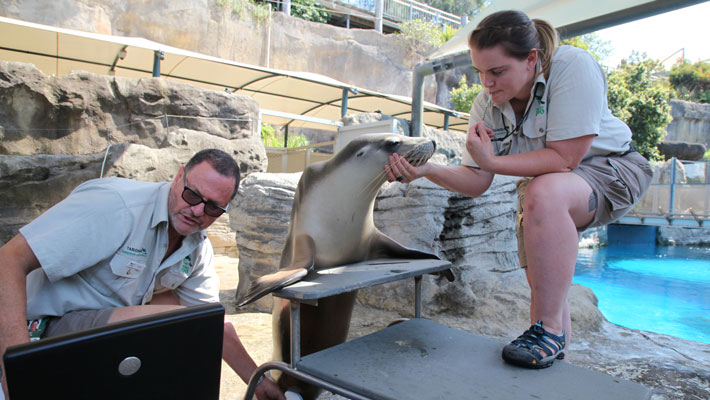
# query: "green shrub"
(598, 48)
(261, 13)
(271, 139)
(642, 103)
(464, 95)
(420, 36)
(309, 10)
(691, 81)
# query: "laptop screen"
(172, 355)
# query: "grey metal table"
(422, 359)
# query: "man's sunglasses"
(193, 199)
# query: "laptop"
(172, 355)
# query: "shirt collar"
(160, 210)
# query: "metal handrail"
(406, 10)
(686, 204)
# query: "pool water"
(652, 288)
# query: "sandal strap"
(537, 338)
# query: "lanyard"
(539, 91)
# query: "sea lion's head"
(375, 149)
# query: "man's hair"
(222, 162)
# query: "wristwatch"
(261, 379)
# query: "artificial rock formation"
(54, 135)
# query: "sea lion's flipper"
(384, 246)
(302, 261)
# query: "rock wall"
(55, 132)
(364, 58)
(691, 122)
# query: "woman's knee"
(552, 194)
(542, 196)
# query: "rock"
(691, 122)
(260, 217)
(663, 172)
(88, 113)
(234, 33)
(681, 236)
(81, 113)
(682, 150)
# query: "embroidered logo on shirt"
(135, 252)
(186, 265)
(540, 110)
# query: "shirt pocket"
(536, 125)
(173, 278)
(117, 278)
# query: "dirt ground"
(254, 329)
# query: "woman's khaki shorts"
(617, 183)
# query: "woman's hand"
(400, 170)
(479, 145)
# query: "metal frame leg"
(286, 369)
(295, 333)
(418, 296)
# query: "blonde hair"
(518, 35)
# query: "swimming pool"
(653, 288)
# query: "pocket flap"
(126, 268)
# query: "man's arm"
(16, 261)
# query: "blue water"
(658, 289)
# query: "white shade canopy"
(299, 99)
(570, 17)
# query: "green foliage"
(641, 102)
(237, 7)
(420, 36)
(309, 10)
(457, 7)
(599, 49)
(691, 81)
(448, 32)
(260, 12)
(271, 139)
(464, 95)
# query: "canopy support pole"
(420, 72)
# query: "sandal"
(527, 350)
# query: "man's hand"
(268, 390)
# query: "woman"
(543, 114)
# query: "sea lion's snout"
(419, 152)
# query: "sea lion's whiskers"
(378, 180)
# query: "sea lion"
(331, 225)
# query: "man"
(116, 249)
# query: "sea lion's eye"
(392, 144)
(360, 153)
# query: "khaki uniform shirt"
(570, 104)
(102, 247)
